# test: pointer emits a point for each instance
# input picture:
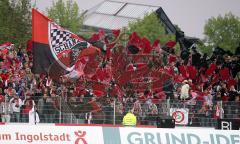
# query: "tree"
(223, 32)
(66, 14)
(151, 28)
(15, 24)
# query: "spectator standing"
(129, 119)
(28, 105)
(51, 113)
(1, 82)
(88, 117)
(168, 88)
(153, 112)
(42, 108)
(137, 109)
(232, 93)
(4, 109)
(185, 90)
(15, 106)
(33, 116)
(218, 111)
(205, 115)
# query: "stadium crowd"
(195, 79)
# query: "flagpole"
(35, 4)
(114, 111)
(60, 109)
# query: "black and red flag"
(56, 49)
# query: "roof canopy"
(116, 14)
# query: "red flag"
(98, 89)
(146, 46)
(231, 82)
(183, 71)
(156, 46)
(29, 45)
(215, 79)
(171, 44)
(211, 69)
(108, 51)
(172, 58)
(192, 72)
(134, 43)
(169, 71)
(78, 69)
(95, 37)
(116, 91)
(134, 38)
(225, 74)
(103, 75)
(136, 66)
(116, 32)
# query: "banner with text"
(48, 134)
(178, 136)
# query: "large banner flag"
(56, 49)
(180, 115)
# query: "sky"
(189, 15)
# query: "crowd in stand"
(195, 79)
(20, 89)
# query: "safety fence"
(111, 111)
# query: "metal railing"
(111, 111)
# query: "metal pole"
(114, 112)
(168, 107)
(6, 109)
(60, 109)
(221, 110)
(34, 110)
